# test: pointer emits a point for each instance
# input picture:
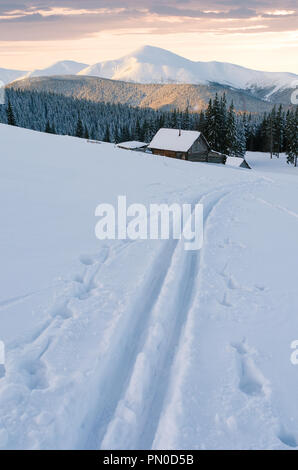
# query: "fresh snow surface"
(262, 162)
(7, 75)
(140, 344)
(65, 67)
(173, 139)
(155, 65)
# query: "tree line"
(228, 132)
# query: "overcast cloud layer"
(73, 19)
(257, 34)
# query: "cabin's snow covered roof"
(133, 144)
(169, 139)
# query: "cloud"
(72, 19)
(235, 13)
(32, 18)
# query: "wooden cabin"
(185, 145)
(177, 143)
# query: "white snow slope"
(133, 345)
(65, 67)
(7, 75)
(155, 65)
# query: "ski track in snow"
(136, 391)
(112, 385)
(118, 379)
(15, 300)
(278, 207)
(137, 319)
(251, 379)
(178, 366)
(138, 412)
(136, 404)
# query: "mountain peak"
(147, 49)
(156, 55)
(149, 64)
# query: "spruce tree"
(292, 137)
(250, 133)
(107, 137)
(138, 131)
(48, 128)
(240, 144)
(217, 122)
(223, 124)
(116, 136)
(231, 132)
(201, 123)
(173, 123)
(86, 133)
(143, 130)
(209, 124)
(278, 134)
(185, 119)
(79, 128)
(10, 115)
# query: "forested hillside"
(226, 130)
(156, 96)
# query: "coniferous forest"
(226, 131)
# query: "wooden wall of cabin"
(198, 151)
(199, 146)
(198, 157)
(170, 153)
(217, 159)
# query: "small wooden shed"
(133, 145)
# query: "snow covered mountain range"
(7, 75)
(154, 65)
(66, 67)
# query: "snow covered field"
(132, 345)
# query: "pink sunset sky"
(259, 34)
